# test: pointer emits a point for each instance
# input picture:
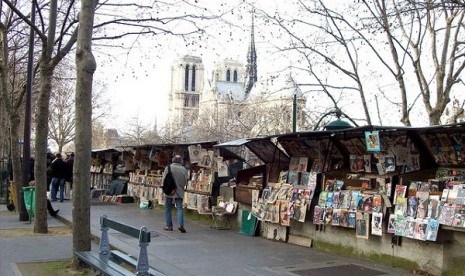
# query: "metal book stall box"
(203, 162)
(397, 192)
(109, 174)
(264, 160)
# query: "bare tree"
(428, 34)
(57, 31)
(136, 133)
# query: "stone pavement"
(201, 251)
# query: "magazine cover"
(377, 203)
(367, 203)
(399, 192)
(328, 216)
(362, 225)
(389, 163)
(329, 199)
(391, 225)
(459, 217)
(400, 225)
(433, 207)
(322, 199)
(345, 199)
(336, 217)
(360, 201)
(420, 229)
(351, 219)
(452, 197)
(372, 141)
(446, 213)
(422, 208)
(410, 227)
(401, 207)
(294, 164)
(312, 180)
(194, 153)
(460, 196)
(304, 178)
(354, 200)
(344, 218)
(432, 230)
(367, 163)
(335, 202)
(445, 194)
(283, 212)
(293, 177)
(412, 205)
(376, 224)
(316, 166)
(318, 214)
(303, 162)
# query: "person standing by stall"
(180, 177)
(69, 175)
(58, 172)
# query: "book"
(409, 227)
(412, 205)
(302, 166)
(362, 225)
(293, 178)
(401, 207)
(329, 199)
(400, 225)
(420, 229)
(367, 203)
(432, 230)
(294, 164)
(344, 218)
(460, 199)
(400, 191)
(446, 213)
(422, 209)
(433, 207)
(304, 178)
(459, 217)
(322, 199)
(391, 224)
(318, 215)
(354, 200)
(351, 219)
(377, 203)
(376, 223)
(345, 199)
(336, 197)
(328, 216)
(336, 217)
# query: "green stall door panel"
(248, 224)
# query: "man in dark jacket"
(180, 176)
(58, 170)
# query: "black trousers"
(50, 208)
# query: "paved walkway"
(201, 251)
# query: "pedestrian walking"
(180, 176)
(58, 172)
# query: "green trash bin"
(30, 200)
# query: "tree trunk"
(16, 160)
(86, 66)
(41, 135)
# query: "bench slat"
(131, 261)
(126, 229)
(102, 263)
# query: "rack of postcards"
(204, 164)
(287, 200)
(146, 184)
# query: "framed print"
(372, 141)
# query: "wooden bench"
(107, 262)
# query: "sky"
(138, 83)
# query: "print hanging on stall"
(372, 141)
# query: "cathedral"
(219, 101)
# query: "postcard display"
(204, 164)
(145, 182)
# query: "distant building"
(220, 99)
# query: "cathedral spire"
(251, 67)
